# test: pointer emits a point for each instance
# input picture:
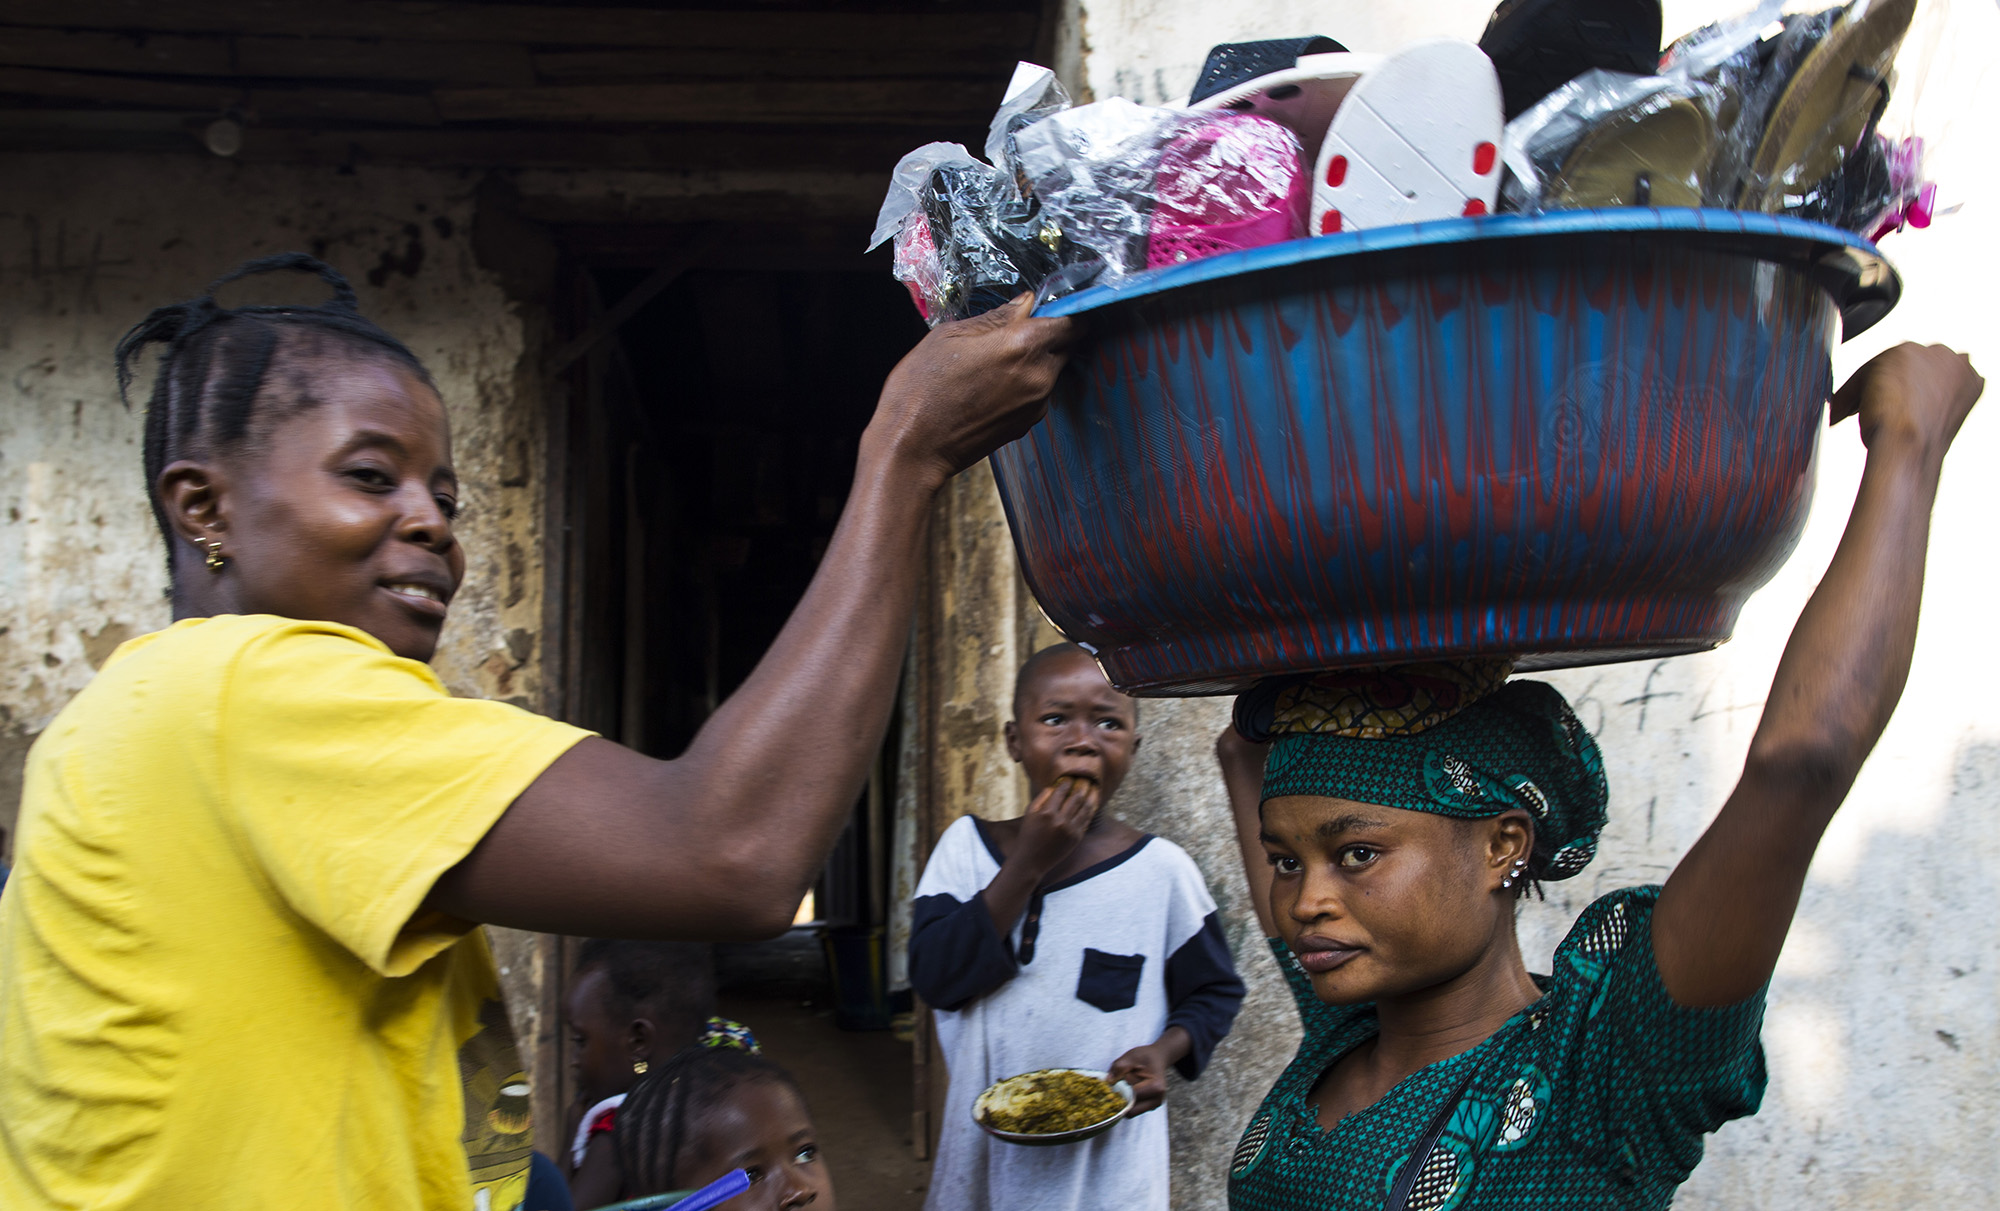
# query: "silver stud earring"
(1520, 865)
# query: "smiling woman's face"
(1379, 902)
(342, 512)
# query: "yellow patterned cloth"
(1369, 704)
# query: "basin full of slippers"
(1562, 105)
(1518, 348)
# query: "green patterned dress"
(1597, 1096)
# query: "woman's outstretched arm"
(1724, 913)
(723, 841)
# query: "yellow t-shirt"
(217, 988)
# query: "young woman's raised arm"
(723, 841)
(1242, 765)
(1723, 916)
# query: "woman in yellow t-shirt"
(238, 965)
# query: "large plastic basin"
(1578, 438)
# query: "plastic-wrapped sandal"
(1416, 139)
(1658, 153)
(1235, 182)
(989, 241)
(1303, 95)
(1823, 92)
(1537, 46)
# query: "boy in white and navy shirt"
(1066, 939)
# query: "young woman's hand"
(1242, 761)
(1055, 825)
(971, 386)
(1921, 393)
(1145, 1068)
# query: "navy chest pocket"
(1108, 981)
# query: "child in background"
(628, 1004)
(1066, 939)
(710, 1110)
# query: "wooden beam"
(377, 59)
(894, 102)
(640, 63)
(158, 54)
(119, 90)
(307, 58)
(753, 247)
(867, 148)
(543, 25)
(342, 105)
(261, 103)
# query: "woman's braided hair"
(654, 1122)
(215, 361)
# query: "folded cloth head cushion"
(1498, 747)
(1398, 700)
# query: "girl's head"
(1068, 721)
(298, 461)
(1404, 813)
(710, 1110)
(632, 1003)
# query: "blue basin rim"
(1862, 282)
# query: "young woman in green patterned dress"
(1395, 817)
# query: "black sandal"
(1538, 46)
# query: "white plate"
(985, 1099)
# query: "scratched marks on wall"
(57, 268)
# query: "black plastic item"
(1538, 46)
(1857, 196)
(1233, 63)
(990, 241)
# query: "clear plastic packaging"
(1140, 187)
(1843, 111)
(1236, 182)
(902, 218)
(968, 237)
(1033, 94)
(966, 241)
(1783, 113)
(1613, 139)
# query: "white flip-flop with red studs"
(1417, 138)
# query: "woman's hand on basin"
(1920, 394)
(970, 387)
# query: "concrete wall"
(1883, 1025)
(88, 245)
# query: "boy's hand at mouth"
(1056, 823)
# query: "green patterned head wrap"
(1454, 740)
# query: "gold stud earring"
(214, 559)
(638, 1068)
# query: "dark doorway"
(711, 444)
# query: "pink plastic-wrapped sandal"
(1237, 182)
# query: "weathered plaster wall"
(1883, 1024)
(88, 244)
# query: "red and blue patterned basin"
(1579, 437)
